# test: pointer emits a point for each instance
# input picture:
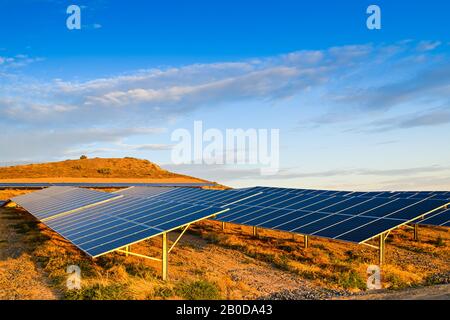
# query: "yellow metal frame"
(255, 231)
(165, 250)
(381, 236)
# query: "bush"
(395, 281)
(104, 171)
(140, 270)
(163, 292)
(352, 279)
(198, 290)
(99, 292)
(83, 157)
(439, 242)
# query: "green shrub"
(351, 279)
(163, 292)
(83, 157)
(439, 242)
(140, 270)
(395, 281)
(99, 292)
(282, 262)
(104, 171)
(198, 290)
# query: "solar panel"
(2, 203)
(197, 196)
(441, 218)
(327, 214)
(124, 221)
(57, 200)
(143, 191)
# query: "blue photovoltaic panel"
(2, 203)
(410, 195)
(56, 200)
(327, 214)
(121, 222)
(144, 191)
(442, 218)
(201, 196)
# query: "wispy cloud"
(428, 118)
(50, 144)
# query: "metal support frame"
(165, 251)
(179, 237)
(381, 248)
(138, 255)
(255, 231)
(164, 256)
(223, 225)
(416, 232)
(306, 241)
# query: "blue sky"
(356, 108)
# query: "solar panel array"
(436, 195)
(2, 203)
(53, 201)
(144, 191)
(124, 221)
(324, 213)
(197, 196)
(439, 218)
(341, 217)
(99, 222)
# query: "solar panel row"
(197, 196)
(441, 218)
(98, 222)
(336, 217)
(329, 214)
(144, 191)
(53, 201)
(2, 203)
(436, 195)
(124, 221)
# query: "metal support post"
(416, 232)
(381, 249)
(164, 256)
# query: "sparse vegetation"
(84, 168)
(115, 291)
(104, 171)
(198, 290)
(439, 242)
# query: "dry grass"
(338, 265)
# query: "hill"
(96, 169)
